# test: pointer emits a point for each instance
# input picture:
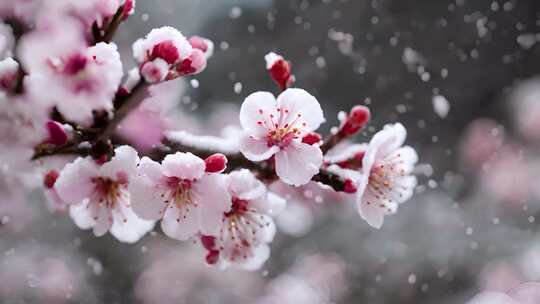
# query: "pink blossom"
(248, 228)
(99, 195)
(276, 127)
(164, 49)
(385, 179)
(181, 194)
(66, 74)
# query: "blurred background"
(461, 75)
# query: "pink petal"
(127, 227)
(210, 192)
(179, 227)
(256, 149)
(298, 163)
(183, 165)
(298, 101)
(124, 161)
(75, 182)
(103, 222)
(371, 212)
(150, 169)
(146, 199)
(244, 185)
(255, 113)
(82, 216)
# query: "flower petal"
(298, 101)
(149, 169)
(256, 108)
(75, 181)
(82, 216)
(125, 161)
(371, 212)
(244, 185)
(146, 198)
(127, 226)
(183, 165)
(177, 226)
(260, 255)
(210, 193)
(297, 163)
(104, 221)
(256, 149)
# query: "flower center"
(109, 191)
(283, 129)
(180, 191)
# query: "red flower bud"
(212, 257)
(167, 51)
(359, 116)
(216, 163)
(50, 178)
(57, 135)
(312, 138)
(349, 186)
(281, 73)
(208, 242)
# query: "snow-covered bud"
(216, 163)
(9, 69)
(312, 138)
(203, 44)
(356, 120)
(57, 134)
(50, 178)
(155, 71)
(279, 69)
(194, 64)
(166, 48)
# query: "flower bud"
(203, 44)
(355, 121)
(212, 257)
(194, 64)
(312, 138)
(155, 71)
(349, 186)
(280, 70)
(208, 242)
(128, 9)
(165, 50)
(50, 178)
(57, 134)
(216, 163)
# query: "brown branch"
(263, 170)
(98, 137)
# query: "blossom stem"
(113, 25)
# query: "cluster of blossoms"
(65, 96)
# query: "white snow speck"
(441, 106)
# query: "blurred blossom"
(524, 104)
